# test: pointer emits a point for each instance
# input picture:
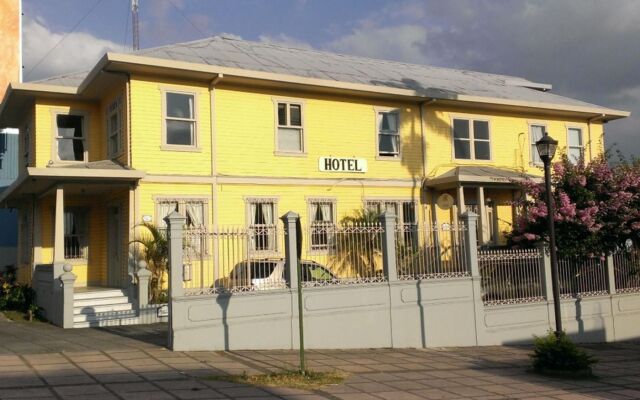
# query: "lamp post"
(546, 150)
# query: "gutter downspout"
(424, 146)
(589, 121)
(214, 181)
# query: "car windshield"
(315, 272)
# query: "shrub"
(553, 354)
(14, 296)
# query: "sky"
(586, 49)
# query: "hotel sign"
(336, 164)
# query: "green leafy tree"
(156, 254)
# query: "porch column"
(58, 237)
(482, 218)
(461, 207)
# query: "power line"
(63, 38)
(187, 19)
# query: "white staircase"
(96, 307)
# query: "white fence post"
(175, 233)
(470, 220)
(389, 264)
(67, 280)
(143, 275)
(545, 271)
(611, 277)
(290, 220)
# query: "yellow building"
(230, 132)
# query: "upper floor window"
(76, 233)
(471, 139)
(536, 132)
(388, 134)
(575, 148)
(262, 224)
(114, 126)
(180, 119)
(290, 137)
(71, 137)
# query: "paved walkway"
(39, 361)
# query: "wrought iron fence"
(431, 251)
(582, 277)
(511, 276)
(342, 254)
(232, 259)
(626, 268)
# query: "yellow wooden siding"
(510, 139)
(147, 130)
(333, 126)
(117, 90)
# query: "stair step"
(105, 301)
(107, 322)
(102, 308)
(97, 294)
(116, 315)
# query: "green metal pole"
(303, 367)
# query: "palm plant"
(358, 245)
(156, 254)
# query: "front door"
(114, 247)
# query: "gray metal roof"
(477, 174)
(276, 58)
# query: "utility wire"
(63, 38)
(187, 19)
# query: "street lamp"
(546, 150)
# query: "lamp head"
(546, 148)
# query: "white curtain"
(325, 208)
(267, 214)
(196, 213)
(164, 209)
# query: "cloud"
(401, 43)
(79, 51)
(584, 48)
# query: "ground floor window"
(322, 222)
(195, 212)
(262, 224)
(76, 228)
(405, 212)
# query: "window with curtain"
(194, 212)
(388, 134)
(405, 212)
(471, 139)
(76, 228)
(575, 150)
(70, 137)
(536, 132)
(290, 133)
(262, 224)
(114, 126)
(180, 119)
(321, 216)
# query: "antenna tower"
(135, 24)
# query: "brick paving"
(40, 361)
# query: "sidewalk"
(40, 361)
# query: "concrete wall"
(410, 314)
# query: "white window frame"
(275, 248)
(321, 248)
(196, 138)
(471, 140)
(114, 108)
(581, 147)
(533, 151)
(85, 136)
(182, 202)
(288, 103)
(384, 110)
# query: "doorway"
(114, 247)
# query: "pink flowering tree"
(597, 208)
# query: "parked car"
(261, 274)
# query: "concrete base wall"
(403, 314)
